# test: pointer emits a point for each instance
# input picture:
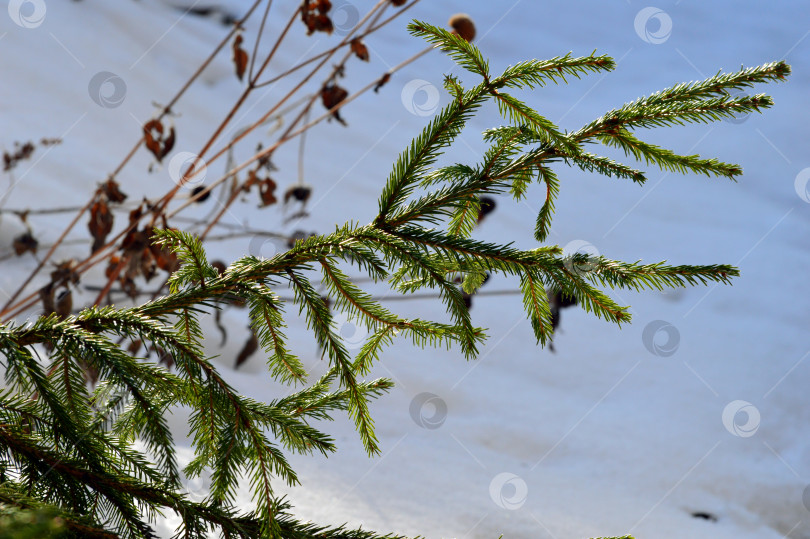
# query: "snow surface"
(604, 437)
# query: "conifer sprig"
(104, 460)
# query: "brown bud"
(462, 25)
(64, 303)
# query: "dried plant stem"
(4, 312)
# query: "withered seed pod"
(462, 25)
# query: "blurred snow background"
(620, 431)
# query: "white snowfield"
(697, 427)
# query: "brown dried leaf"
(252, 180)
(112, 192)
(220, 327)
(135, 241)
(163, 356)
(331, 96)
(21, 152)
(168, 144)
(248, 350)
(147, 265)
(155, 142)
(101, 223)
(267, 189)
(135, 215)
(46, 294)
(111, 265)
(90, 373)
(359, 49)
(63, 305)
(65, 272)
(240, 57)
(24, 243)
(164, 257)
(152, 132)
(134, 346)
(317, 22)
(380, 83)
(129, 287)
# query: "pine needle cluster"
(102, 460)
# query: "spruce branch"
(104, 460)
